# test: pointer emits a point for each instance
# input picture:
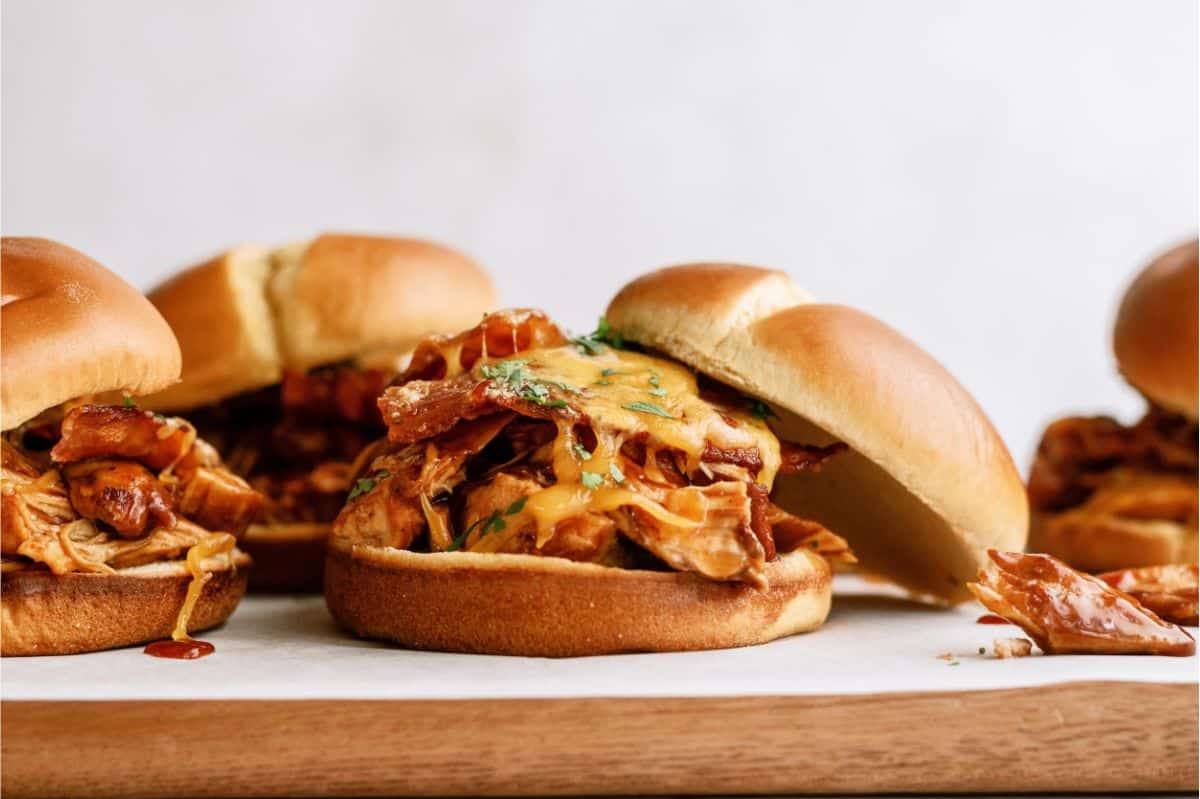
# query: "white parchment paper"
(289, 648)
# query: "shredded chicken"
(1067, 612)
(1171, 591)
(1012, 648)
(104, 508)
(477, 451)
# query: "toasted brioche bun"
(551, 607)
(1155, 338)
(64, 614)
(288, 558)
(248, 314)
(71, 328)
(928, 485)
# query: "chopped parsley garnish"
(492, 524)
(593, 343)
(365, 485)
(591, 480)
(657, 392)
(983, 650)
(128, 401)
(528, 387)
(647, 407)
(760, 410)
(618, 476)
(654, 379)
(581, 452)
(604, 382)
(953, 663)
(610, 372)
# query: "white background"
(985, 176)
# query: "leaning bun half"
(73, 329)
(245, 316)
(928, 485)
(65, 614)
(1155, 339)
(550, 607)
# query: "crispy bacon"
(1172, 591)
(125, 495)
(806, 458)
(1067, 612)
(499, 335)
(111, 431)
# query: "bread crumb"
(1012, 647)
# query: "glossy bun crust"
(928, 485)
(248, 314)
(535, 606)
(71, 328)
(1155, 339)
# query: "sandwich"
(1107, 496)
(284, 354)
(680, 479)
(117, 525)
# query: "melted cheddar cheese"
(621, 396)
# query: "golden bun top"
(248, 314)
(1155, 335)
(70, 328)
(928, 486)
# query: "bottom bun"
(288, 558)
(42, 613)
(550, 607)
(1095, 543)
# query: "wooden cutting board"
(288, 706)
(1075, 737)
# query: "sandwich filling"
(1092, 475)
(513, 438)
(100, 488)
(295, 442)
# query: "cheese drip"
(217, 544)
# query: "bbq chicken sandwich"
(1108, 496)
(679, 479)
(119, 526)
(285, 352)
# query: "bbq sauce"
(992, 618)
(179, 650)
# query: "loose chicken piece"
(102, 431)
(1172, 591)
(125, 495)
(218, 500)
(1012, 647)
(30, 506)
(498, 335)
(1068, 612)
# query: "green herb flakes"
(647, 407)
(591, 480)
(760, 410)
(618, 476)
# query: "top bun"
(248, 314)
(928, 485)
(71, 328)
(1155, 335)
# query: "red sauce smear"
(179, 650)
(992, 618)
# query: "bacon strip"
(805, 457)
(1067, 612)
(499, 335)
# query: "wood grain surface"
(1071, 737)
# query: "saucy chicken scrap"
(118, 487)
(513, 438)
(1067, 612)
